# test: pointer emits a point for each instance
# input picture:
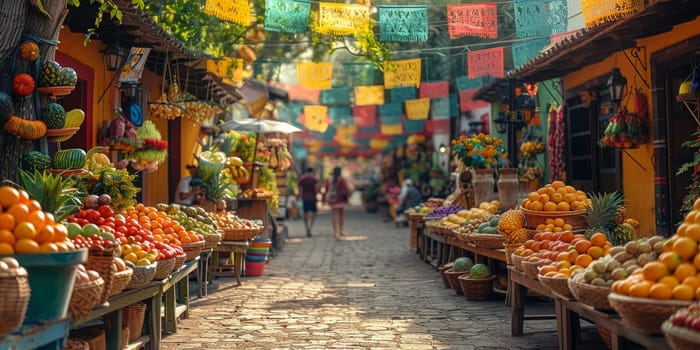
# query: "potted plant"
(369, 197)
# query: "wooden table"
(237, 250)
(479, 252)
(518, 286)
(415, 231)
(438, 249)
(568, 327)
(112, 316)
(46, 336)
(176, 291)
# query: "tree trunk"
(18, 18)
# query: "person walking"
(409, 197)
(187, 191)
(336, 195)
(308, 188)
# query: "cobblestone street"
(373, 293)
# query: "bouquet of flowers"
(480, 151)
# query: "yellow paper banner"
(369, 95)
(378, 143)
(316, 117)
(342, 19)
(402, 73)
(344, 134)
(391, 129)
(418, 109)
(228, 69)
(236, 11)
(597, 12)
(315, 75)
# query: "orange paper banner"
(402, 73)
(369, 95)
(418, 109)
(342, 19)
(315, 75)
(316, 117)
(597, 12)
(236, 11)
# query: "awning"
(594, 45)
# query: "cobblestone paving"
(319, 293)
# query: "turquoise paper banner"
(327, 149)
(329, 135)
(403, 23)
(524, 51)
(532, 18)
(397, 141)
(340, 115)
(300, 152)
(391, 119)
(440, 108)
(414, 126)
(558, 16)
(391, 109)
(464, 83)
(285, 113)
(336, 96)
(358, 74)
(454, 105)
(400, 95)
(287, 16)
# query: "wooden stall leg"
(113, 330)
(238, 265)
(170, 306)
(183, 296)
(517, 307)
(154, 323)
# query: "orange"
(25, 230)
(572, 255)
(48, 247)
(684, 270)
(563, 206)
(685, 247)
(8, 196)
(696, 205)
(550, 206)
(24, 197)
(598, 239)
(692, 231)
(696, 260)
(60, 233)
(34, 205)
(670, 259)
(547, 268)
(596, 252)
(668, 244)
(46, 234)
(558, 184)
(683, 292)
(654, 271)
(26, 245)
(526, 203)
(692, 281)
(557, 197)
(671, 280)
(661, 291)
(7, 221)
(536, 206)
(533, 196)
(20, 211)
(559, 222)
(584, 260)
(549, 221)
(6, 236)
(681, 230)
(625, 285)
(567, 236)
(582, 246)
(6, 249)
(640, 289)
(38, 219)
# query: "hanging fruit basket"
(626, 129)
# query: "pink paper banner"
(486, 62)
(300, 92)
(468, 103)
(435, 89)
(438, 126)
(365, 115)
(478, 20)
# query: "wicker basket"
(518, 261)
(179, 261)
(453, 278)
(510, 248)
(124, 339)
(487, 241)
(463, 237)
(85, 297)
(103, 265)
(477, 289)
(557, 284)
(605, 334)
(595, 296)
(94, 336)
(132, 317)
(76, 344)
(211, 241)
(164, 268)
(15, 292)
(193, 249)
(120, 280)
(141, 276)
(577, 218)
(239, 235)
(531, 269)
(442, 269)
(644, 314)
(680, 338)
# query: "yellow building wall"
(189, 144)
(638, 182)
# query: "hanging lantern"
(616, 85)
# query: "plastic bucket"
(255, 254)
(254, 268)
(255, 258)
(51, 279)
(265, 245)
(257, 250)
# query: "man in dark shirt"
(308, 188)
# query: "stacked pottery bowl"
(256, 256)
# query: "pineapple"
(510, 221)
(602, 212)
(518, 236)
(56, 194)
(622, 234)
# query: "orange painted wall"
(189, 146)
(638, 183)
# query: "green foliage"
(108, 7)
(218, 188)
(119, 185)
(56, 194)
(694, 167)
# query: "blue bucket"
(51, 279)
(255, 258)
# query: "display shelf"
(691, 101)
(177, 282)
(47, 336)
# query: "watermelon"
(73, 158)
(68, 76)
(35, 161)
(462, 264)
(50, 74)
(479, 271)
(54, 115)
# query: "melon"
(462, 264)
(479, 271)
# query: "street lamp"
(112, 57)
(442, 148)
(130, 88)
(616, 85)
(501, 123)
